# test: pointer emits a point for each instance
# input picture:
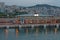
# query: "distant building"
(2, 6)
(36, 14)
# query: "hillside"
(46, 9)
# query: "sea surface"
(30, 34)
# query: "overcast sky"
(31, 2)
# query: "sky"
(31, 2)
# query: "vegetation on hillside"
(11, 15)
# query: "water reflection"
(27, 32)
(46, 32)
(36, 33)
(17, 33)
(56, 30)
(6, 34)
(37, 30)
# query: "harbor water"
(30, 34)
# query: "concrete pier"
(20, 26)
(30, 26)
(45, 26)
(57, 26)
(7, 27)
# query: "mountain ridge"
(43, 5)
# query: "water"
(30, 34)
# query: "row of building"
(30, 20)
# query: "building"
(2, 7)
